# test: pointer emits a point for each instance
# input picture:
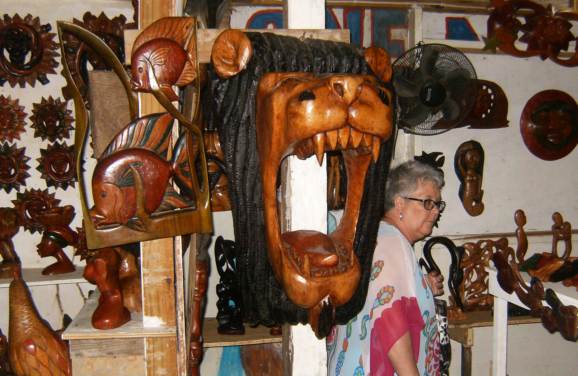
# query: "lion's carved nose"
(346, 87)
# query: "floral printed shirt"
(399, 300)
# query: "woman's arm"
(401, 357)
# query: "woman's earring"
(400, 216)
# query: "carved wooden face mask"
(304, 115)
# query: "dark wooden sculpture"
(304, 115)
(549, 124)
(81, 57)
(229, 313)
(5, 369)
(30, 203)
(27, 51)
(56, 164)
(545, 31)
(129, 279)
(13, 167)
(35, 349)
(51, 119)
(490, 109)
(57, 235)
(469, 166)
(102, 269)
(555, 315)
(9, 226)
(12, 119)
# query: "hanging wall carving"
(51, 119)
(56, 164)
(12, 117)
(13, 167)
(342, 84)
(469, 166)
(27, 51)
(80, 57)
(546, 32)
(549, 124)
(9, 226)
(30, 204)
(490, 109)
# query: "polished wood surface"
(57, 235)
(469, 166)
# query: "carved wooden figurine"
(35, 349)
(282, 96)
(57, 235)
(469, 166)
(130, 281)
(102, 269)
(9, 226)
(229, 303)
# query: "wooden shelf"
(480, 319)
(81, 327)
(34, 277)
(252, 336)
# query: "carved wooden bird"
(35, 349)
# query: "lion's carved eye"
(306, 95)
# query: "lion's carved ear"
(379, 61)
(231, 53)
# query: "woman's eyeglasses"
(429, 204)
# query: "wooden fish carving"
(133, 162)
(164, 55)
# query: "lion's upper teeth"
(343, 138)
(319, 141)
(332, 139)
(355, 138)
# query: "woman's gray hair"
(404, 179)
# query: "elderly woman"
(396, 332)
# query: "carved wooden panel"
(13, 167)
(30, 204)
(51, 119)
(12, 118)
(57, 165)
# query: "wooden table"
(462, 331)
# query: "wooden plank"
(116, 357)
(206, 38)
(252, 336)
(81, 327)
(479, 319)
(34, 277)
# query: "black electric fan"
(435, 88)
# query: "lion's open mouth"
(304, 115)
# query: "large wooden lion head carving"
(277, 96)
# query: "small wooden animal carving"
(469, 165)
(164, 55)
(131, 181)
(35, 349)
(57, 235)
(9, 226)
(103, 270)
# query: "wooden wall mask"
(307, 114)
(12, 118)
(51, 119)
(13, 167)
(469, 166)
(57, 235)
(133, 198)
(57, 165)
(27, 51)
(549, 124)
(490, 109)
(545, 31)
(30, 203)
(9, 226)
(35, 349)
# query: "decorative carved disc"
(57, 165)
(79, 56)
(12, 117)
(549, 124)
(30, 203)
(51, 120)
(27, 51)
(13, 167)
